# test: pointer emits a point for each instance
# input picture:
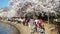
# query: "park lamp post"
(48, 17)
(48, 11)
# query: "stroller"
(42, 30)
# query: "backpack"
(39, 23)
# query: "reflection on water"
(8, 29)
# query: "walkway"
(25, 29)
(48, 29)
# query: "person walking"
(27, 21)
(16, 20)
(36, 21)
(39, 25)
(32, 25)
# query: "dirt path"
(48, 28)
(25, 29)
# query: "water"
(8, 29)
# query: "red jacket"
(39, 24)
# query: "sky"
(3, 3)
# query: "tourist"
(16, 20)
(32, 25)
(23, 21)
(27, 20)
(36, 20)
(39, 25)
